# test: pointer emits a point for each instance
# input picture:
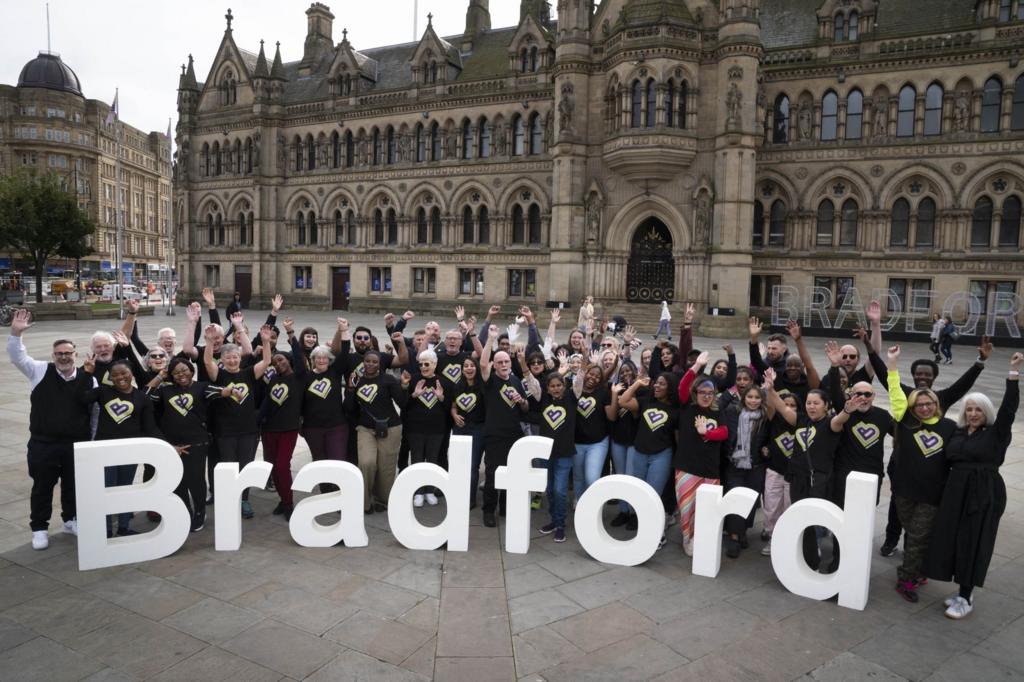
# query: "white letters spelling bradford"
(852, 525)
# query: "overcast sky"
(139, 45)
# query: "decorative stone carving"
(961, 112)
(703, 214)
(566, 108)
(282, 153)
(323, 155)
(733, 106)
(803, 122)
(593, 206)
(881, 122)
(499, 140)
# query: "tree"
(40, 219)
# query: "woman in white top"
(586, 320)
(663, 322)
(937, 325)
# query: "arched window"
(905, 112)
(434, 71)
(239, 160)
(534, 219)
(536, 136)
(1009, 223)
(518, 225)
(391, 145)
(242, 231)
(211, 235)
(392, 226)
(924, 233)
(829, 116)
(205, 159)
(636, 105)
(684, 90)
(899, 223)
(346, 88)
(248, 155)
(780, 127)
(518, 135)
(421, 144)
(339, 228)
(838, 28)
(826, 217)
(483, 220)
(313, 231)
(421, 225)
(299, 162)
(436, 230)
(758, 227)
(484, 138)
(670, 104)
(991, 99)
(652, 104)
(435, 142)
(933, 110)
(216, 158)
(351, 220)
(301, 220)
(852, 28)
(1005, 8)
(848, 224)
(981, 223)
(468, 231)
(777, 224)
(310, 153)
(467, 140)
(533, 58)
(376, 147)
(1017, 113)
(854, 115)
(350, 150)
(378, 227)
(524, 61)
(335, 150)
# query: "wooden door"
(339, 288)
(243, 285)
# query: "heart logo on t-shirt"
(428, 398)
(866, 434)
(508, 394)
(239, 392)
(106, 379)
(182, 403)
(554, 416)
(805, 436)
(358, 371)
(453, 372)
(320, 388)
(119, 410)
(367, 392)
(785, 442)
(279, 393)
(655, 418)
(466, 401)
(929, 442)
(585, 406)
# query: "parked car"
(131, 292)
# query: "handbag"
(380, 426)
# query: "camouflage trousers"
(917, 519)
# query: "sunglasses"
(850, 357)
(425, 364)
(863, 394)
(362, 338)
(536, 362)
(607, 345)
(154, 356)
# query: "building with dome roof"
(735, 153)
(48, 124)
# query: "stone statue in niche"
(183, 160)
(499, 140)
(703, 213)
(323, 155)
(403, 148)
(961, 112)
(566, 107)
(593, 210)
(282, 153)
(881, 124)
(803, 121)
(361, 149)
(451, 142)
(733, 105)
(256, 150)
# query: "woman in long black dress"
(974, 498)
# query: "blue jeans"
(654, 469)
(587, 465)
(123, 474)
(663, 328)
(558, 488)
(619, 453)
(476, 431)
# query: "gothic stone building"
(634, 150)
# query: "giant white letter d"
(95, 502)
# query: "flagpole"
(168, 214)
(118, 217)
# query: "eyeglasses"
(850, 357)
(536, 362)
(62, 354)
(607, 345)
(863, 394)
(926, 403)
(154, 356)
(706, 394)
(425, 364)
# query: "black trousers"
(801, 487)
(752, 478)
(192, 489)
(48, 463)
(496, 449)
(893, 527)
(241, 449)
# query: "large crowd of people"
(664, 412)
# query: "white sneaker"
(431, 499)
(767, 550)
(40, 539)
(960, 608)
(417, 500)
(949, 600)
(688, 547)
(71, 527)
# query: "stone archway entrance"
(650, 276)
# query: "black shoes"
(489, 519)
(732, 548)
(887, 549)
(744, 543)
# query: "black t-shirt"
(816, 445)
(502, 415)
(781, 444)
(656, 426)
(449, 367)
(236, 415)
(623, 429)
(469, 400)
(375, 399)
(427, 413)
(183, 412)
(282, 405)
(323, 398)
(862, 447)
(124, 415)
(353, 364)
(918, 467)
(591, 419)
(201, 373)
(694, 454)
(557, 419)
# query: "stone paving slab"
(273, 610)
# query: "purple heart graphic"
(929, 441)
(119, 408)
(321, 385)
(467, 401)
(786, 443)
(657, 416)
(183, 401)
(453, 372)
(279, 391)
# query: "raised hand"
(119, 337)
(527, 313)
(893, 353)
(342, 325)
(492, 311)
(131, 306)
(728, 349)
(985, 349)
(460, 312)
(874, 312)
(275, 304)
(194, 312)
(266, 333)
(210, 332)
(595, 357)
(289, 326)
(688, 316)
(701, 423)
(616, 389)
(492, 332)
(754, 326)
(236, 320)
(22, 320)
(419, 388)
(629, 334)
(389, 320)
(408, 315)
(406, 377)
(1016, 360)
(556, 315)
(793, 328)
(470, 323)
(90, 363)
(642, 381)
(769, 378)
(852, 405)
(832, 350)
(208, 297)
(563, 358)
(438, 391)
(396, 337)
(702, 361)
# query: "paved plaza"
(274, 610)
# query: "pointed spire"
(344, 36)
(261, 64)
(277, 70)
(188, 77)
(229, 18)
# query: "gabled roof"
(906, 17)
(788, 23)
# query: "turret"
(478, 20)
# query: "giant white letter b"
(95, 502)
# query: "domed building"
(48, 124)
(795, 156)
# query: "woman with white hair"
(425, 418)
(974, 498)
